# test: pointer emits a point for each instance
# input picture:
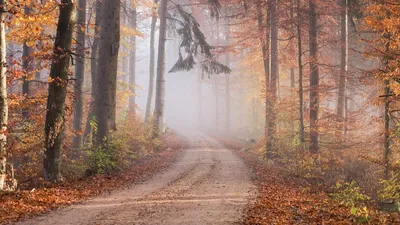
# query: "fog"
(190, 100)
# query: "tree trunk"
(292, 78)
(266, 60)
(216, 85)
(200, 100)
(387, 129)
(293, 29)
(158, 124)
(105, 97)
(314, 77)
(132, 66)
(26, 60)
(227, 76)
(274, 75)
(300, 65)
(343, 64)
(79, 72)
(3, 97)
(55, 120)
(151, 65)
(93, 69)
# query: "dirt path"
(208, 185)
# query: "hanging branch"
(194, 43)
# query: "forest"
(199, 112)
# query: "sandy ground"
(208, 185)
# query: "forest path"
(207, 185)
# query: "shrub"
(389, 195)
(349, 194)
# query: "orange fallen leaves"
(285, 199)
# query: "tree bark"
(3, 97)
(216, 86)
(200, 100)
(386, 144)
(274, 75)
(314, 77)
(264, 29)
(55, 117)
(79, 72)
(132, 66)
(105, 98)
(93, 70)
(151, 65)
(26, 59)
(293, 29)
(300, 67)
(227, 76)
(292, 78)
(343, 64)
(158, 124)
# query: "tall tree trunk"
(314, 77)
(26, 61)
(386, 144)
(105, 98)
(293, 29)
(151, 65)
(3, 97)
(93, 69)
(216, 86)
(55, 117)
(200, 100)
(343, 63)
(227, 76)
(132, 66)
(272, 94)
(158, 125)
(79, 72)
(300, 66)
(266, 59)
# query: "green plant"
(349, 194)
(391, 188)
(102, 160)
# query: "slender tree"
(3, 96)
(216, 83)
(79, 72)
(292, 28)
(300, 68)
(343, 61)
(55, 117)
(314, 77)
(227, 76)
(26, 61)
(160, 83)
(93, 68)
(386, 143)
(151, 64)
(265, 41)
(105, 98)
(272, 93)
(132, 64)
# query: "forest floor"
(283, 198)
(207, 185)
